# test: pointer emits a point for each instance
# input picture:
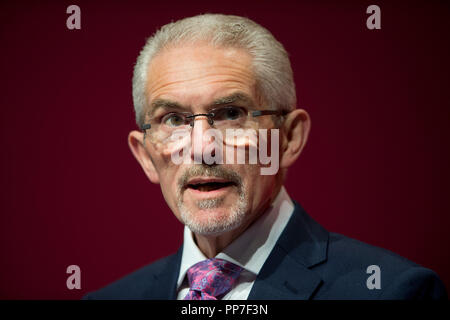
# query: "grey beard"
(212, 225)
(209, 203)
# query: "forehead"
(198, 74)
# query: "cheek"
(258, 186)
(169, 183)
(264, 186)
(166, 171)
(169, 190)
(262, 193)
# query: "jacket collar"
(287, 272)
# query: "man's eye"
(173, 120)
(229, 113)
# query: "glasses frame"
(211, 115)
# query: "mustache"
(209, 171)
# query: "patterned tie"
(211, 279)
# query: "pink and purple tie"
(211, 279)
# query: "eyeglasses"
(160, 128)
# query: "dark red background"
(376, 166)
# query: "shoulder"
(357, 252)
(370, 272)
(351, 269)
(136, 285)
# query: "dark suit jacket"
(307, 262)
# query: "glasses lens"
(229, 117)
(173, 120)
(173, 129)
(229, 113)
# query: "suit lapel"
(287, 273)
(164, 284)
(284, 280)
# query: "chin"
(205, 220)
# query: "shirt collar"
(251, 249)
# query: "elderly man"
(212, 94)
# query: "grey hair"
(271, 65)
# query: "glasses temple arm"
(259, 113)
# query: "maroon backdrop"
(376, 167)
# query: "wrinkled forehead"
(199, 75)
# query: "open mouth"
(206, 186)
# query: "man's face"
(221, 197)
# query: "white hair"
(271, 64)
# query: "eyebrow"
(169, 104)
(235, 97)
(164, 104)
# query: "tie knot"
(212, 278)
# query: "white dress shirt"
(249, 251)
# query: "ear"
(296, 130)
(136, 143)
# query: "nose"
(201, 143)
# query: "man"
(197, 82)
